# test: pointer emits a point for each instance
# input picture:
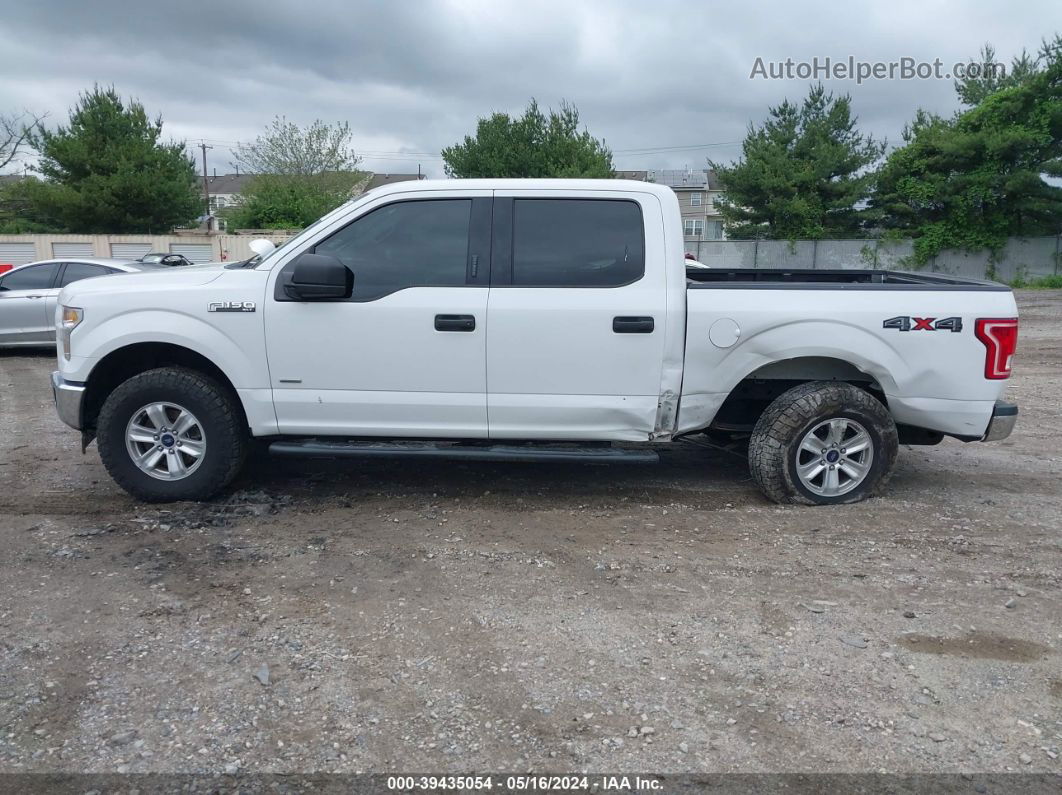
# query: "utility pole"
(206, 180)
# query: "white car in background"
(28, 295)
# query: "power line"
(413, 153)
(410, 156)
(397, 152)
(661, 149)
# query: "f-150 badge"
(232, 306)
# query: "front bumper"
(69, 398)
(1004, 415)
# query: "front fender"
(238, 353)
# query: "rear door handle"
(633, 325)
(455, 322)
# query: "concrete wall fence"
(1021, 257)
(20, 249)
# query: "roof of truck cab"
(623, 185)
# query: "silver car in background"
(28, 295)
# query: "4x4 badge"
(904, 323)
(232, 306)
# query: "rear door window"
(75, 271)
(577, 243)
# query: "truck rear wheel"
(823, 443)
(171, 434)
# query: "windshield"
(152, 258)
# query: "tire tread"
(789, 413)
(226, 463)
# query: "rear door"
(23, 304)
(575, 317)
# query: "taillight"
(1000, 336)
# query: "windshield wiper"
(247, 263)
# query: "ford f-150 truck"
(544, 320)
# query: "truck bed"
(833, 279)
(911, 336)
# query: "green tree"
(976, 179)
(301, 173)
(987, 76)
(531, 145)
(802, 173)
(15, 210)
(277, 201)
(108, 171)
(287, 149)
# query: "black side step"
(468, 452)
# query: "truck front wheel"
(171, 434)
(823, 443)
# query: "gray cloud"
(412, 77)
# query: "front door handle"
(455, 322)
(633, 325)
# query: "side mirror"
(319, 277)
(261, 246)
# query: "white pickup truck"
(525, 320)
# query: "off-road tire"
(215, 408)
(780, 429)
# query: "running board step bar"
(469, 452)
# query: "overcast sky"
(413, 76)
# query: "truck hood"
(144, 281)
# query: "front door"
(24, 295)
(576, 318)
(405, 355)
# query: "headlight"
(69, 318)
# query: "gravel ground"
(441, 617)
